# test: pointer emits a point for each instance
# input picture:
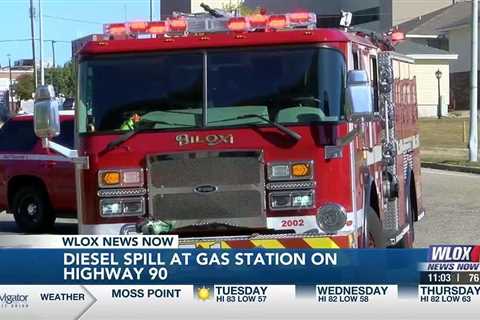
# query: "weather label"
(241, 294)
(354, 293)
(448, 294)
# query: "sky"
(64, 21)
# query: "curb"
(450, 167)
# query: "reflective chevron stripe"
(285, 243)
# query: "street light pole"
(32, 30)
(473, 144)
(438, 75)
(42, 70)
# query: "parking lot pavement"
(62, 226)
(452, 202)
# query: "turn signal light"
(110, 178)
(300, 170)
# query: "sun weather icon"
(203, 293)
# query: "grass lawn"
(444, 133)
(438, 136)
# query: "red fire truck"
(240, 132)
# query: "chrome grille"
(207, 187)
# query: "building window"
(366, 16)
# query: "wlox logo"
(13, 300)
(452, 253)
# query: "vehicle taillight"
(157, 28)
(277, 22)
(177, 25)
(237, 25)
(258, 21)
(138, 26)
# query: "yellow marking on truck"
(268, 244)
(321, 243)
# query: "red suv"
(36, 185)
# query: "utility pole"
(32, 30)
(42, 71)
(473, 145)
(151, 10)
(10, 88)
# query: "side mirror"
(359, 94)
(46, 118)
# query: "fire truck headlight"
(292, 200)
(279, 201)
(331, 218)
(119, 207)
(279, 171)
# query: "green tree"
(63, 79)
(242, 8)
(24, 87)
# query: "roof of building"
(411, 47)
(422, 52)
(437, 22)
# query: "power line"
(72, 19)
(30, 39)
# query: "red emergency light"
(138, 26)
(238, 24)
(177, 25)
(157, 28)
(116, 29)
(299, 17)
(277, 22)
(258, 21)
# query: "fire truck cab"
(240, 132)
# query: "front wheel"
(31, 210)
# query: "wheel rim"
(29, 208)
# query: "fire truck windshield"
(216, 88)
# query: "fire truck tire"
(409, 237)
(32, 210)
(374, 231)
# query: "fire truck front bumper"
(274, 241)
(287, 241)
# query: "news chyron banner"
(149, 277)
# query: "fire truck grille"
(207, 187)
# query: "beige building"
(377, 15)
(428, 61)
(193, 6)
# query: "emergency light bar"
(183, 24)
